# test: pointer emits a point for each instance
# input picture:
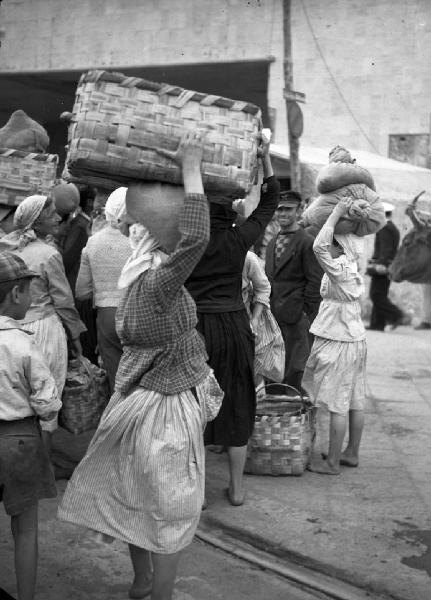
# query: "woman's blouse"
(216, 282)
(339, 316)
(102, 261)
(156, 316)
(255, 284)
(50, 292)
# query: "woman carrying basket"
(216, 286)
(334, 375)
(142, 479)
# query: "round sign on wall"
(295, 119)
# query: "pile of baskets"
(283, 435)
(118, 123)
(25, 173)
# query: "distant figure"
(385, 248)
(295, 277)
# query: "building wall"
(45, 35)
(378, 53)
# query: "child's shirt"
(339, 316)
(26, 384)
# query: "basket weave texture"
(118, 122)
(84, 398)
(25, 173)
(283, 437)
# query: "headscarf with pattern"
(25, 217)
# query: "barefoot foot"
(348, 461)
(345, 460)
(140, 589)
(235, 500)
(324, 468)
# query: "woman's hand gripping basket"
(284, 433)
(118, 123)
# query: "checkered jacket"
(156, 317)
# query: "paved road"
(74, 568)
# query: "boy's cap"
(12, 267)
(290, 199)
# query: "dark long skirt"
(109, 343)
(230, 347)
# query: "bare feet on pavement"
(323, 468)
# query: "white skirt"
(334, 375)
(143, 477)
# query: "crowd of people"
(174, 326)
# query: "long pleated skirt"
(142, 479)
(230, 346)
(335, 374)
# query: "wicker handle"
(286, 386)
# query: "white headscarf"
(146, 255)
(24, 219)
(115, 206)
(353, 245)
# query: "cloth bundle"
(340, 179)
(270, 352)
(23, 133)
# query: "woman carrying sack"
(142, 479)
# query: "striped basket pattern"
(25, 173)
(283, 436)
(118, 123)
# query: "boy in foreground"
(27, 394)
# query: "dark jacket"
(386, 244)
(216, 282)
(74, 242)
(295, 282)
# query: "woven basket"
(84, 398)
(283, 436)
(25, 173)
(119, 122)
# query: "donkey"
(413, 259)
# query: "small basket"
(284, 433)
(25, 173)
(85, 396)
(119, 122)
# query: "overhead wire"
(334, 81)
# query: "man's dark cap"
(290, 198)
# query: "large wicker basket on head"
(284, 433)
(119, 122)
(25, 173)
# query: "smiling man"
(295, 277)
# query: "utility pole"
(295, 121)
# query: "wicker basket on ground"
(25, 173)
(283, 435)
(119, 122)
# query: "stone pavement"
(370, 526)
